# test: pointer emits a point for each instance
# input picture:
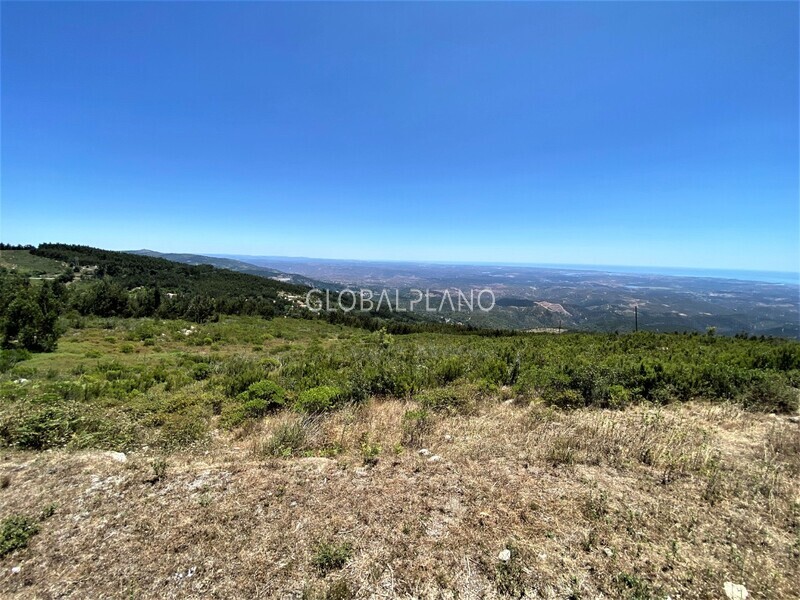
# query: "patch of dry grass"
(638, 503)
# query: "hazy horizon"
(765, 276)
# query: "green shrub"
(566, 399)
(241, 373)
(159, 467)
(448, 370)
(50, 424)
(618, 396)
(8, 358)
(258, 400)
(318, 399)
(453, 399)
(370, 453)
(769, 392)
(179, 430)
(330, 557)
(15, 531)
(201, 371)
(262, 397)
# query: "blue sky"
(660, 134)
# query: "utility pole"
(636, 317)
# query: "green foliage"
(258, 400)
(91, 394)
(159, 467)
(15, 531)
(768, 392)
(633, 587)
(370, 453)
(8, 358)
(240, 373)
(183, 429)
(28, 316)
(452, 399)
(134, 285)
(318, 399)
(331, 557)
(47, 424)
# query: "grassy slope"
(636, 503)
(24, 262)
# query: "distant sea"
(760, 276)
(779, 277)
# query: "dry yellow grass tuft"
(385, 500)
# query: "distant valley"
(538, 298)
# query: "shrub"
(619, 396)
(448, 370)
(416, 425)
(330, 557)
(241, 373)
(41, 426)
(287, 439)
(258, 400)
(15, 532)
(8, 358)
(768, 392)
(264, 396)
(566, 399)
(453, 399)
(159, 467)
(370, 453)
(201, 371)
(318, 399)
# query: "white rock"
(608, 552)
(505, 555)
(21, 380)
(424, 452)
(435, 458)
(117, 456)
(794, 419)
(735, 591)
(16, 569)
(448, 437)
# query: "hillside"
(132, 270)
(237, 266)
(22, 261)
(295, 458)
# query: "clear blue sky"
(661, 134)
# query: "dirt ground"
(511, 501)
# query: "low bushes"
(318, 399)
(258, 400)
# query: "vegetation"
(122, 383)
(15, 531)
(437, 458)
(329, 557)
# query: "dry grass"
(629, 504)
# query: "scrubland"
(294, 458)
